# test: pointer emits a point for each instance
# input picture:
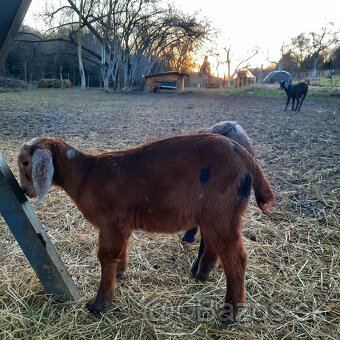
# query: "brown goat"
(163, 186)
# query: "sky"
(245, 25)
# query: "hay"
(54, 83)
(293, 273)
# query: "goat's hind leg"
(234, 260)
(195, 265)
(297, 104)
(302, 99)
(205, 262)
(293, 103)
(112, 247)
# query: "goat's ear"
(42, 172)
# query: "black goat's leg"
(189, 236)
(297, 104)
(288, 99)
(302, 99)
(194, 267)
(293, 103)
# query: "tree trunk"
(127, 73)
(80, 60)
(229, 75)
(103, 70)
(315, 63)
(61, 76)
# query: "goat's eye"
(25, 163)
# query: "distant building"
(244, 78)
(165, 81)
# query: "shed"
(244, 78)
(171, 80)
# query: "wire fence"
(20, 78)
(31, 79)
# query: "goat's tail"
(263, 192)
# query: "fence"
(31, 79)
(22, 78)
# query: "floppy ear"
(42, 172)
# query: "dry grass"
(293, 274)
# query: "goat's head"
(284, 85)
(35, 168)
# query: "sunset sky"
(246, 24)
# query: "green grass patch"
(327, 81)
(270, 91)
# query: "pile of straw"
(293, 270)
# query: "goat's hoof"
(225, 318)
(194, 269)
(201, 277)
(95, 307)
(120, 274)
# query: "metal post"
(32, 238)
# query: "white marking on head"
(71, 153)
(42, 172)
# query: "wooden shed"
(168, 81)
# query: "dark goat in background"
(296, 91)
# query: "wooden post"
(4, 77)
(25, 71)
(32, 238)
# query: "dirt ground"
(293, 274)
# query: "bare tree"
(129, 36)
(229, 61)
(319, 42)
(306, 49)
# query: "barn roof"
(166, 73)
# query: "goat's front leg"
(293, 103)
(288, 99)
(297, 104)
(123, 263)
(112, 246)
